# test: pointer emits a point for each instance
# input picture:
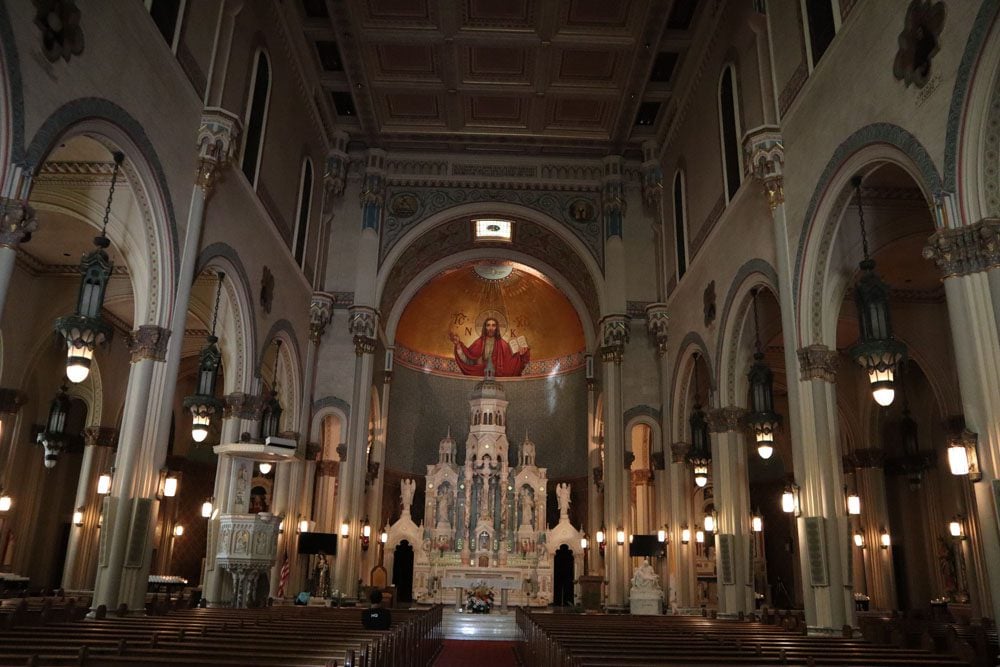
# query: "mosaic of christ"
(490, 319)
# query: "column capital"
(327, 468)
(652, 177)
(149, 341)
(724, 420)
(642, 477)
(337, 162)
(362, 322)
(100, 436)
(373, 190)
(679, 451)
(614, 337)
(11, 400)
(242, 406)
(657, 320)
(818, 362)
(320, 312)
(964, 250)
(656, 459)
(870, 457)
(17, 222)
(764, 159)
(218, 138)
(613, 195)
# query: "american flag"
(286, 570)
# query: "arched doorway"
(562, 577)
(402, 571)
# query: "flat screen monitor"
(314, 543)
(645, 546)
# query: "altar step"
(494, 626)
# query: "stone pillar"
(829, 602)
(334, 180)
(657, 326)
(17, 222)
(617, 496)
(363, 325)
(130, 510)
(969, 259)
(595, 475)
(733, 536)
(81, 549)
(681, 556)
(869, 475)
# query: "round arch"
(683, 377)
(289, 370)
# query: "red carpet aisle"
(473, 653)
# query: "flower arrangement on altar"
(480, 599)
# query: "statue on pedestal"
(646, 595)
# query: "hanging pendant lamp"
(203, 403)
(763, 419)
(700, 455)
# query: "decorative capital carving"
(17, 222)
(313, 451)
(964, 250)
(629, 459)
(614, 337)
(613, 195)
(320, 312)
(818, 362)
(218, 138)
(871, 457)
(342, 451)
(11, 400)
(362, 322)
(149, 342)
(371, 474)
(599, 479)
(725, 420)
(337, 162)
(764, 159)
(242, 406)
(679, 452)
(652, 177)
(327, 468)
(59, 22)
(642, 477)
(100, 436)
(373, 190)
(656, 459)
(656, 325)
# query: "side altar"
(484, 519)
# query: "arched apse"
(289, 371)
(754, 274)
(236, 331)
(544, 238)
(105, 120)
(818, 287)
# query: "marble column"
(17, 222)
(617, 494)
(731, 483)
(595, 476)
(968, 258)
(81, 549)
(681, 556)
(869, 475)
(828, 599)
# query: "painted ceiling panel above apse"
(536, 321)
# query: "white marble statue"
(443, 510)
(527, 508)
(562, 497)
(645, 596)
(407, 488)
(645, 577)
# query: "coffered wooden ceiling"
(540, 76)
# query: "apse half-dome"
(529, 309)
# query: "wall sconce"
(78, 517)
(281, 526)
(206, 509)
(601, 540)
(305, 525)
(956, 529)
(178, 530)
(699, 536)
(366, 535)
(854, 504)
(264, 467)
(620, 537)
(757, 523)
(963, 458)
(661, 535)
(584, 542)
(5, 501)
(345, 530)
(709, 523)
(384, 537)
(104, 484)
(884, 540)
(859, 540)
(685, 534)
(169, 483)
(790, 500)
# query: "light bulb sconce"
(78, 517)
(264, 467)
(169, 484)
(663, 535)
(207, 508)
(859, 539)
(5, 501)
(790, 500)
(345, 530)
(963, 455)
(384, 536)
(853, 504)
(584, 542)
(884, 539)
(711, 521)
(685, 534)
(179, 530)
(620, 537)
(699, 536)
(956, 528)
(757, 523)
(366, 535)
(601, 540)
(104, 483)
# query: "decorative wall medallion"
(266, 290)
(581, 210)
(709, 300)
(918, 42)
(404, 205)
(59, 21)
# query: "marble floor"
(494, 626)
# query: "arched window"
(729, 122)
(256, 116)
(680, 225)
(166, 14)
(305, 206)
(821, 26)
